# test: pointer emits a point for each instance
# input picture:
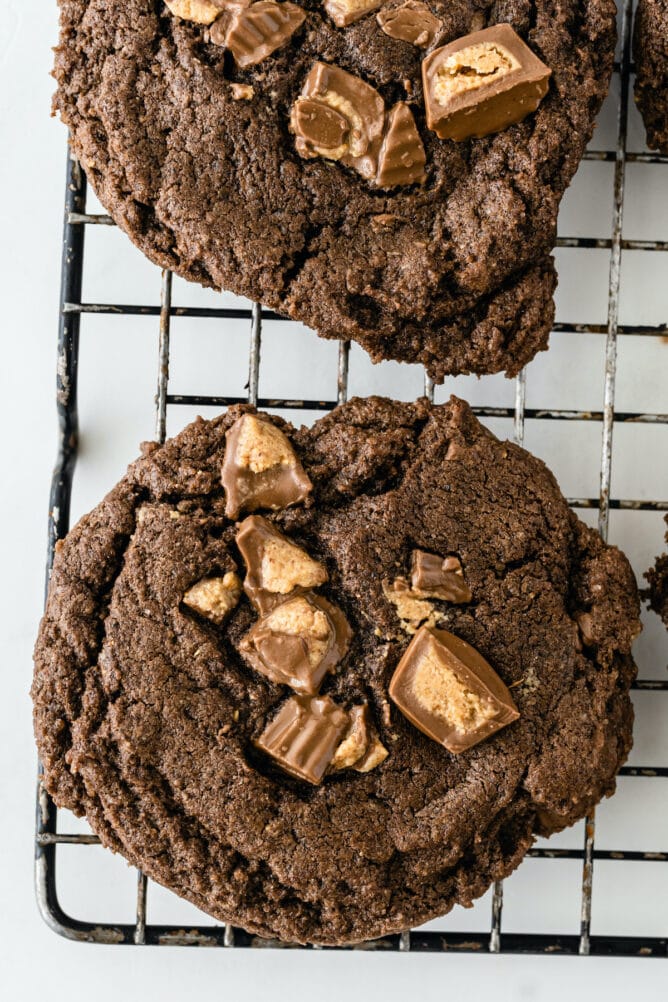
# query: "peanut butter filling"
(443, 694)
(471, 68)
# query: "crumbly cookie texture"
(657, 593)
(650, 53)
(444, 261)
(330, 816)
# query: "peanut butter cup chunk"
(448, 690)
(401, 159)
(261, 468)
(214, 598)
(198, 11)
(438, 577)
(303, 735)
(345, 12)
(411, 21)
(298, 642)
(482, 83)
(275, 566)
(252, 33)
(356, 102)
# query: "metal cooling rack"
(495, 940)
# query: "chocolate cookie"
(341, 694)
(657, 593)
(650, 52)
(389, 173)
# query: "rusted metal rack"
(495, 940)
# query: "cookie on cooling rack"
(326, 683)
(650, 53)
(386, 172)
(657, 593)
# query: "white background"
(118, 371)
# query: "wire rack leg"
(163, 357)
(609, 406)
(254, 354)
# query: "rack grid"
(72, 309)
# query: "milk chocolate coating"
(276, 487)
(303, 736)
(401, 159)
(488, 101)
(284, 657)
(319, 125)
(254, 32)
(438, 577)
(456, 660)
(254, 536)
(412, 22)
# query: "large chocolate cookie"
(214, 146)
(650, 52)
(428, 664)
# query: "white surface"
(118, 367)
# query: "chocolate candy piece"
(412, 22)
(260, 469)
(412, 610)
(303, 735)
(401, 158)
(448, 690)
(438, 577)
(375, 754)
(359, 104)
(360, 748)
(298, 642)
(253, 33)
(345, 12)
(355, 741)
(275, 566)
(482, 83)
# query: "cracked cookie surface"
(455, 273)
(148, 717)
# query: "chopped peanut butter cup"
(448, 691)
(275, 566)
(260, 468)
(214, 598)
(340, 117)
(401, 158)
(482, 83)
(345, 12)
(298, 642)
(438, 577)
(199, 11)
(303, 736)
(252, 33)
(360, 749)
(355, 101)
(411, 22)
